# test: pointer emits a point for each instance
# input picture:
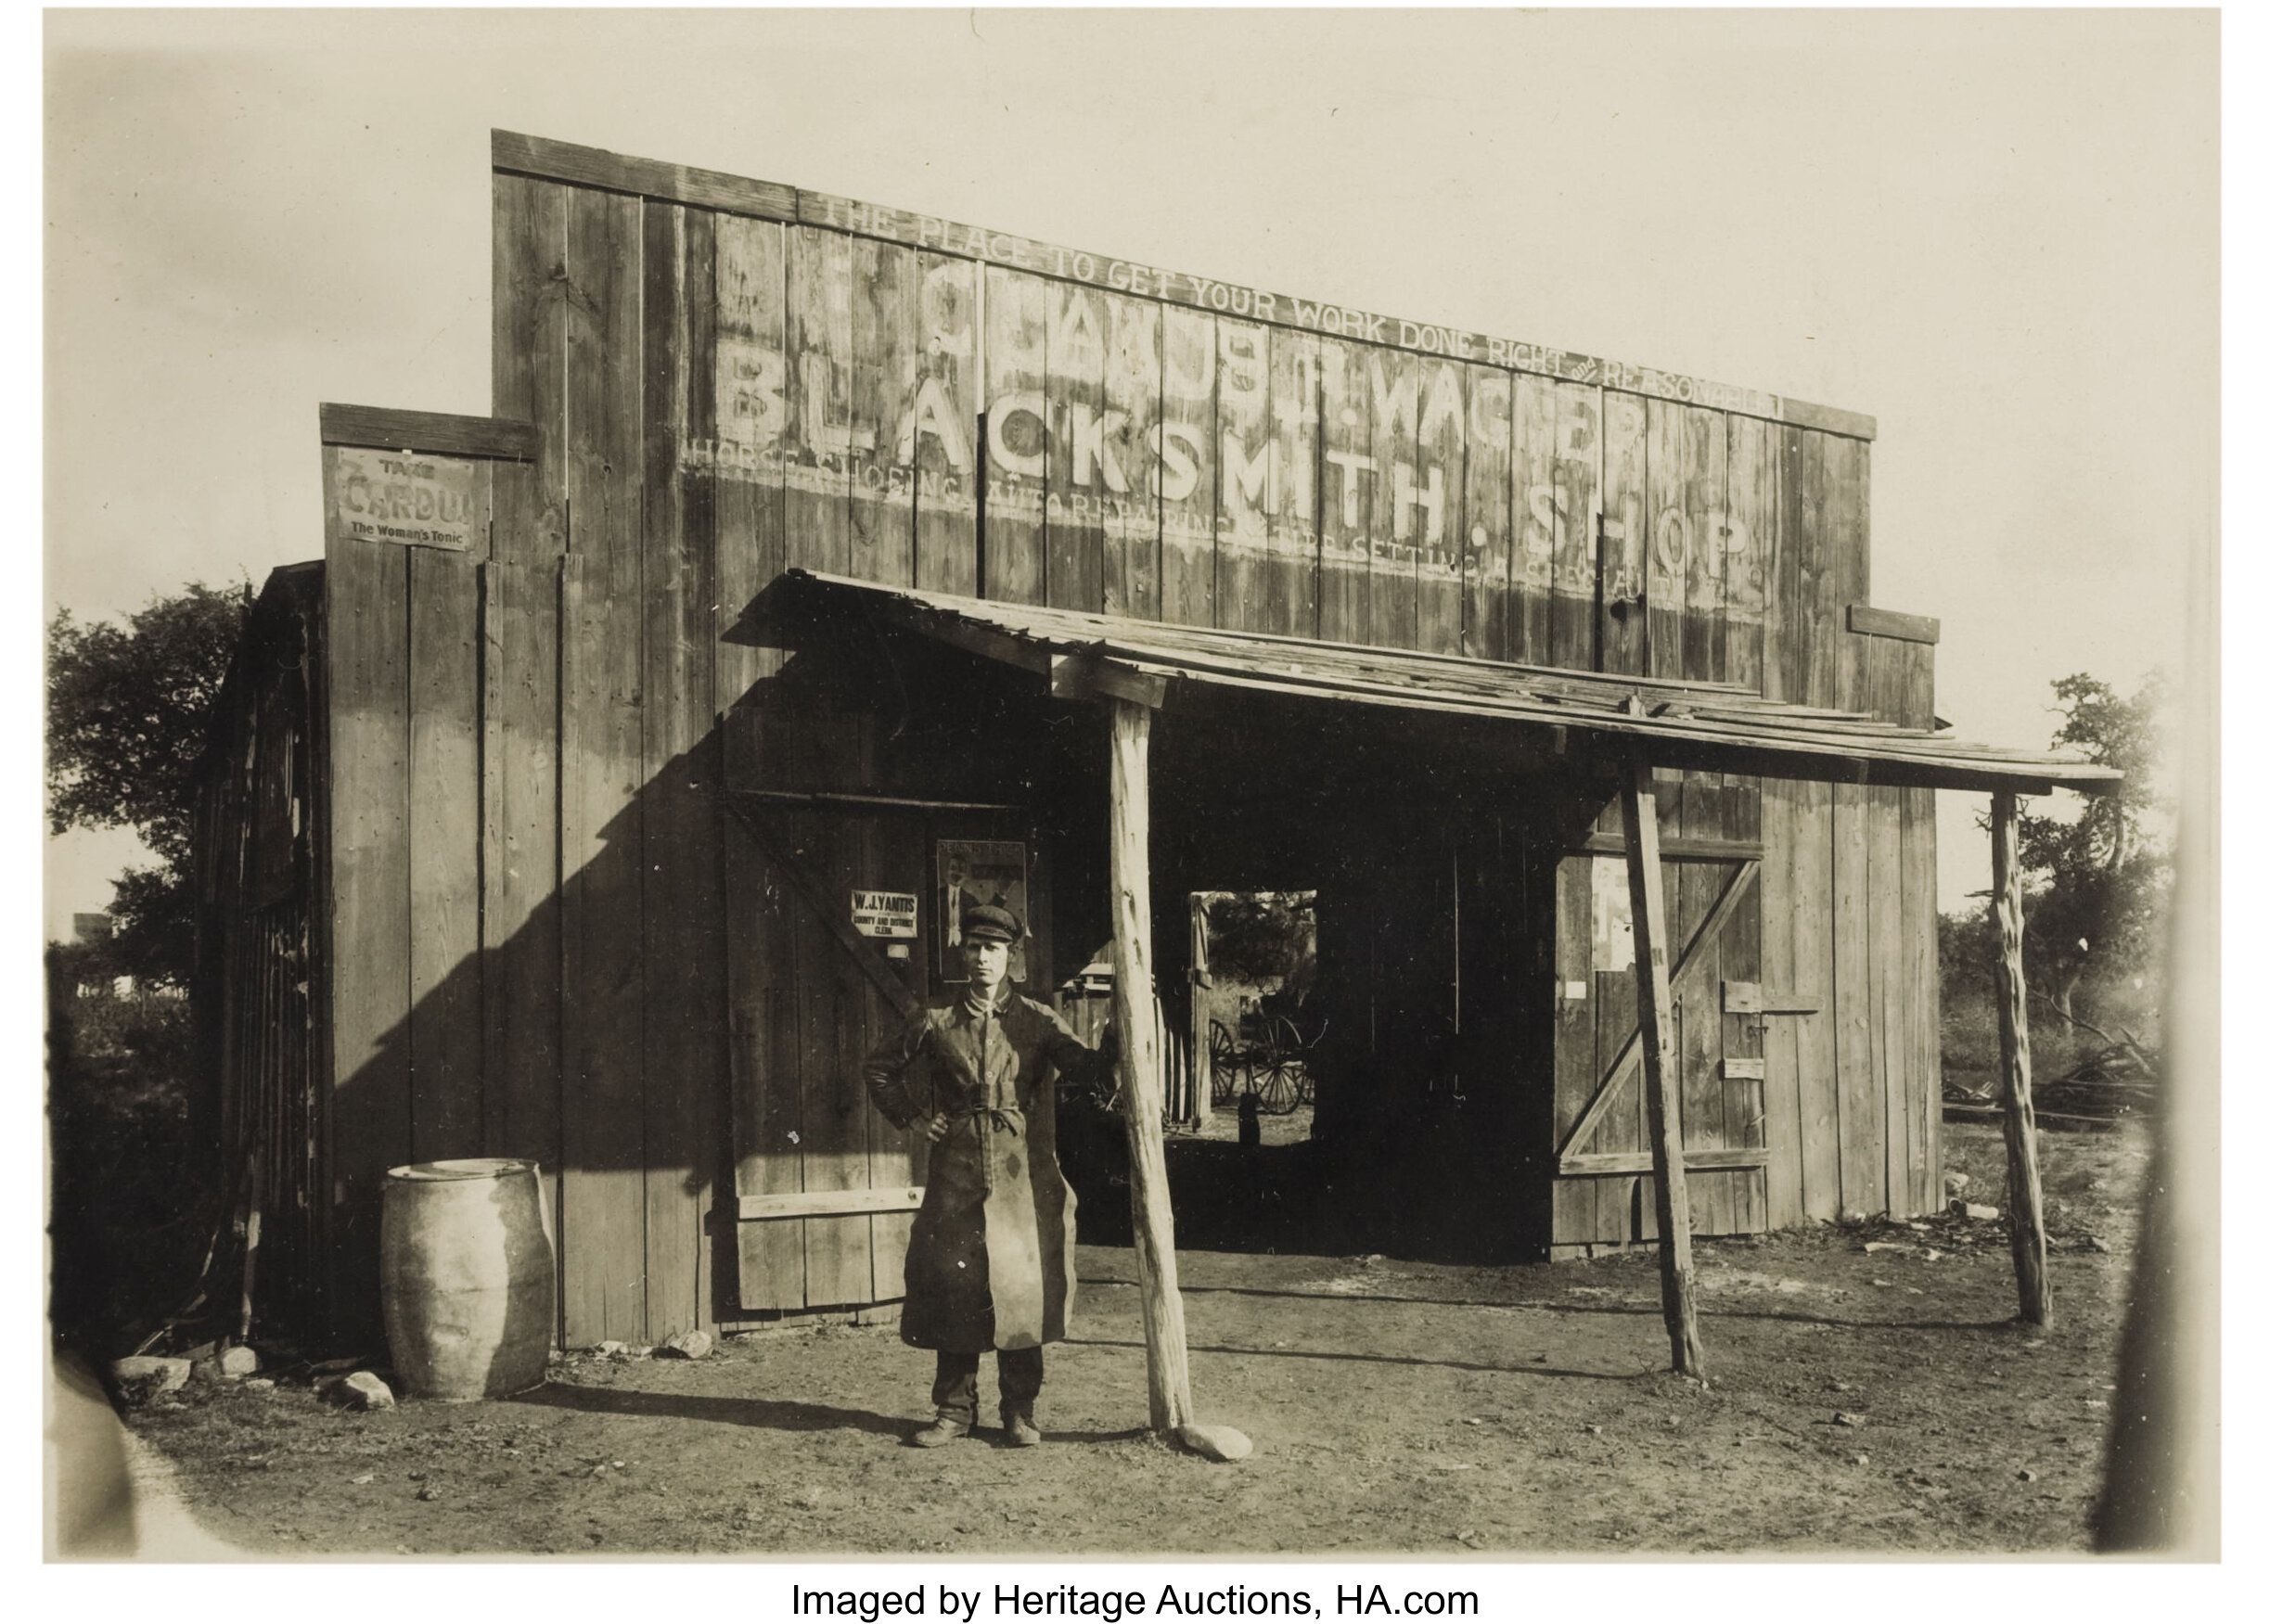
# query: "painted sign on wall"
(1167, 462)
(1201, 418)
(1102, 272)
(883, 912)
(412, 500)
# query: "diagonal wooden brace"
(823, 906)
(1626, 1065)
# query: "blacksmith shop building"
(617, 775)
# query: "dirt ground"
(1858, 1400)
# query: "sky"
(1994, 232)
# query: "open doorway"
(1252, 1019)
(1397, 1034)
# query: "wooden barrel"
(464, 1261)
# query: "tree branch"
(2125, 1040)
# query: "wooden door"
(1602, 1192)
(826, 1187)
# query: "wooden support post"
(1201, 1063)
(1675, 1249)
(1165, 1345)
(2029, 1243)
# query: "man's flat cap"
(987, 923)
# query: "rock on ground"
(362, 1391)
(1216, 1442)
(147, 1374)
(687, 1345)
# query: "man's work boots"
(943, 1431)
(1017, 1429)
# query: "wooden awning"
(1659, 721)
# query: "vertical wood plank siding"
(259, 848)
(1667, 535)
(1789, 632)
(1188, 459)
(520, 925)
(1396, 380)
(1816, 1060)
(839, 1261)
(1575, 1070)
(1244, 455)
(1296, 406)
(750, 395)
(1077, 345)
(1689, 804)
(749, 293)
(680, 920)
(1919, 872)
(528, 314)
(444, 856)
(1539, 518)
(1484, 550)
(545, 942)
(1129, 448)
(1623, 1211)
(1783, 1126)
(1016, 449)
(943, 425)
(1883, 684)
(1743, 547)
(1435, 518)
(603, 1205)
(1342, 585)
(886, 294)
(366, 613)
(1607, 608)
(529, 310)
(899, 857)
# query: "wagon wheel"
(1224, 1063)
(1292, 1051)
(1279, 1083)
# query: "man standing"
(990, 1262)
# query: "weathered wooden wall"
(259, 959)
(835, 386)
(726, 378)
(1157, 445)
(440, 744)
(1841, 927)
(711, 1022)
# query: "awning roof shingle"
(1669, 723)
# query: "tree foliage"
(1969, 946)
(1261, 936)
(126, 711)
(127, 707)
(2097, 882)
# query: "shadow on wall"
(621, 1020)
(614, 1027)
(591, 1040)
